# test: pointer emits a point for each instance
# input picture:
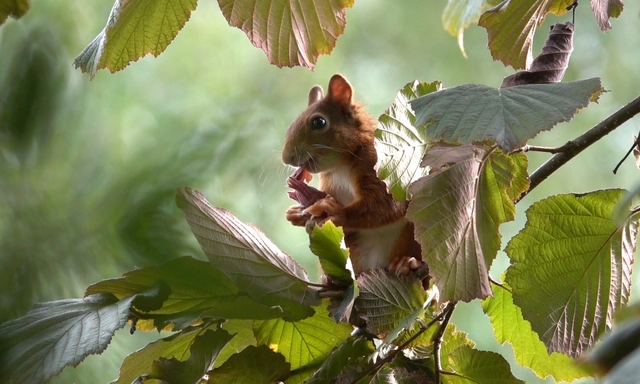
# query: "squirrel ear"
(340, 90)
(315, 94)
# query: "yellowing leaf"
(459, 14)
(290, 33)
(134, 29)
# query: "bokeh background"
(89, 169)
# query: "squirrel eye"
(318, 123)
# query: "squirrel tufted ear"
(315, 94)
(340, 90)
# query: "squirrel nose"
(289, 157)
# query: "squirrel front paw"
(297, 216)
(404, 265)
(326, 209)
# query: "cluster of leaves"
(251, 314)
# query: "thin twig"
(437, 339)
(635, 144)
(535, 148)
(582, 142)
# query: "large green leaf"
(346, 361)
(13, 8)
(457, 210)
(459, 14)
(386, 299)
(508, 116)
(202, 353)
(290, 33)
(400, 144)
(303, 343)
(512, 24)
(248, 258)
(474, 366)
(325, 242)
(56, 334)
(571, 268)
(134, 29)
(252, 365)
(510, 327)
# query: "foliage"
(251, 314)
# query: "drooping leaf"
(386, 299)
(510, 327)
(177, 345)
(571, 268)
(13, 8)
(549, 66)
(508, 116)
(56, 334)
(290, 33)
(346, 359)
(252, 365)
(325, 243)
(604, 10)
(511, 26)
(400, 145)
(202, 353)
(248, 258)
(459, 14)
(134, 29)
(457, 210)
(303, 343)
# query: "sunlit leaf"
(202, 353)
(386, 299)
(252, 365)
(291, 33)
(248, 258)
(474, 366)
(604, 10)
(13, 8)
(457, 210)
(400, 144)
(549, 66)
(460, 14)
(59, 333)
(508, 116)
(511, 26)
(510, 327)
(325, 243)
(303, 343)
(571, 268)
(134, 29)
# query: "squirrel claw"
(297, 216)
(404, 265)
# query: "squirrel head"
(332, 131)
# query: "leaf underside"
(571, 268)
(134, 29)
(604, 10)
(291, 33)
(508, 116)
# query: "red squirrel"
(334, 137)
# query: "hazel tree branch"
(582, 142)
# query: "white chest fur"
(341, 183)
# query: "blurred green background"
(89, 169)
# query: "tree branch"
(582, 142)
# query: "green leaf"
(289, 33)
(134, 29)
(202, 353)
(400, 144)
(303, 343)
(325, 243)
(386, 299)
(13, 8)
(508, 116)
(473, 366)
(512, 24)
(248, 258)
(457, 210)
(460, 14)
(571, 268)
(510, 327)
(177, 345)
(252, 365)
(347, 360)
(56, 334)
